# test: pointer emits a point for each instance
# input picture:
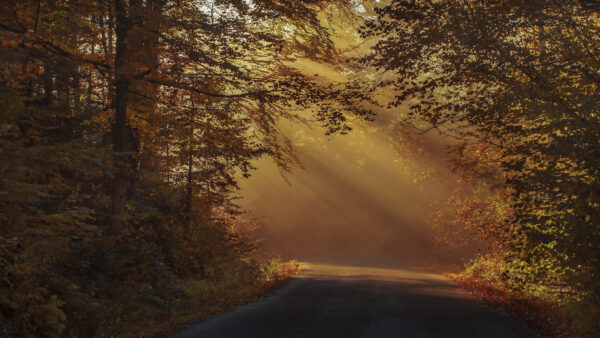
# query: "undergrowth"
(116, 289)
(549, 311)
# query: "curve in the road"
(349, 301)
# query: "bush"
(490, 268)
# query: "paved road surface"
(329, 300)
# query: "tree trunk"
(90, 84)
(190, 181)
(123, 141)
(148, 64)
(190, 191)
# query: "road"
(336, 300)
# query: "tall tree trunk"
(148, 64)
(190, 191)
(90, 84)
(123, 142)
(190, 181)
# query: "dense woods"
(125, 126)
(514, 87)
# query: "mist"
(355, 196)
(370, 193)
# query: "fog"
(366, 194)
(357, 195)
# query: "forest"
(128, 126)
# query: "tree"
(242, 49)
(519, 77)
(124, 127)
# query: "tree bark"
(190, 181)
(123, 140)
(148, 64)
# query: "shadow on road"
(329, 300)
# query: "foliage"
(124, 128)
(543, 317)
(518, 82)
(472, 220)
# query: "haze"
(356, 196)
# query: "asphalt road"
(334, 300)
